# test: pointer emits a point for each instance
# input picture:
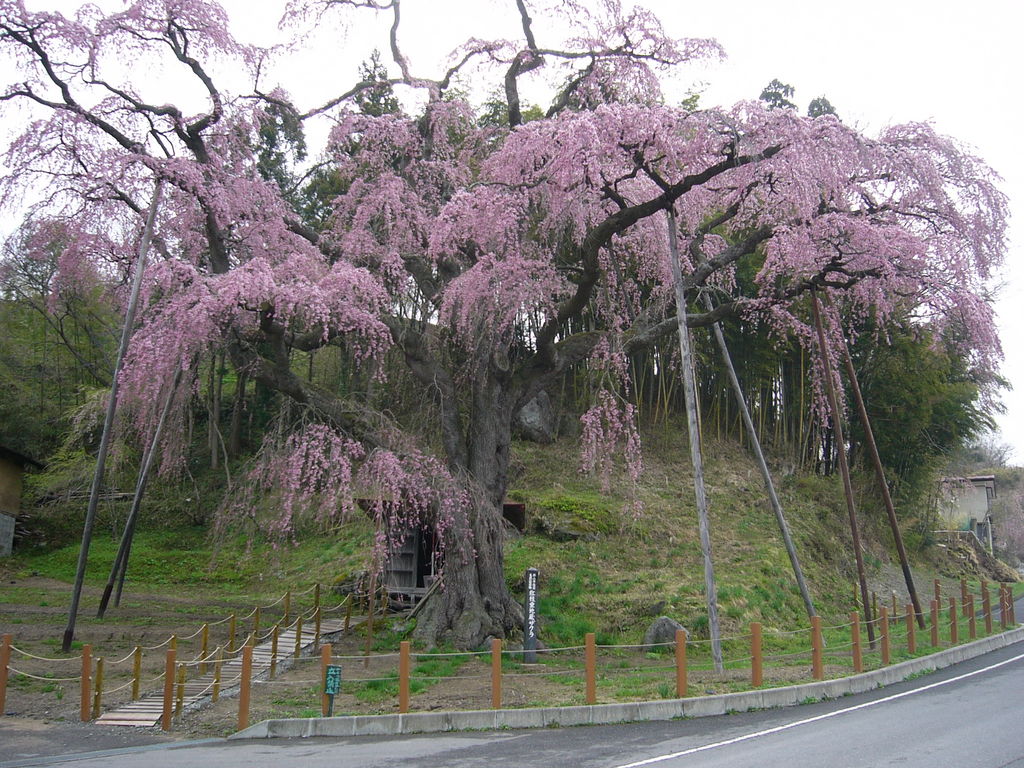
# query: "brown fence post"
(215, 693)
(756, 669)
(316, 595)
(986, 607)
(884, 631)
(86, 682)
(245, 688)
(173, 643)
(403, 676)
(911, 630)
(953, 637)
(205, 649)
(325, 661)
(97, 698)
(287, 607)
(972, 619)
(5, 660)
(348, 613)
(681, 663)
(817, 665)
(298, 635)
(179, 696)
(938, 590)
(935, 623)
(167, 714)
(495, 673)
(317, 621)
(590, 655)
(895, 606)
(858, 656)
(256, 622)
(273, 650)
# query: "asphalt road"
(966, 716)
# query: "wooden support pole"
(858, 653)
(245, 688)
(911, 630)
(817, 663)
(167, 715)
(316, 595)
(681, 663)
(348, 613)
(97, 699)
(86, 682)
(205, 649)
(972, 619)
(273, 649)
(590, 662)
(938, 590)
(403, 676)
(325, 661)
(756, 669)
(895, 608)
(5, 660)
(935, 623)
(884, 631)
(953, 635)
(317, 621)
(256, 622)
(495, 673)
(287, 608)
(298, 636)
(840, 443)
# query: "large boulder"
(662, 630)
(536, 420)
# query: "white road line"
(787, 726)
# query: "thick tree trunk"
(474, 602)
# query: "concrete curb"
(604, 714)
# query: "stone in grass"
(662, 630)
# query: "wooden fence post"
(287, 608)
(884, 631)
(756, 669)
(817, 664)
(986, 607)
(298, 635)
(317, 623)
(935, 623)
(215, 693)
(245, 688)
(858, 655)
(325, 661)
(316, 595)
(86, 682)
(256, 622)
(953, 638)
(97, 699)
(911, 630)
(938, 590)
(972, 619)
(273, 650)
(681, 663)
(179, 697)
(5, 660)
(403, 676)
(348, 613)
(168, 712)
(590, 655)
(495, 673)
(205, 649)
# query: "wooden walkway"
(146, 711)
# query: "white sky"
(955, 64)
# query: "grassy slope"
(614, 580)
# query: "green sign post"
(332, 686)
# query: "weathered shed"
(12, 468)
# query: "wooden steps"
(147, 711)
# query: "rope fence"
(896, 633)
